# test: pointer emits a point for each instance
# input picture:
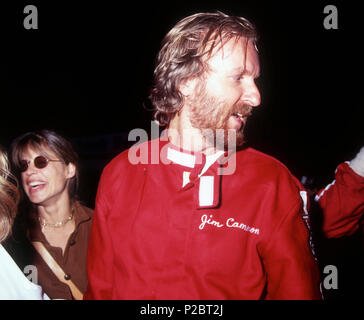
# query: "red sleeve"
(292, 272)
(342, 203)
(100, 252)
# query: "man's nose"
(251, 94)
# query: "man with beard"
(186, 227)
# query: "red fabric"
(148, 240)
(343, 203)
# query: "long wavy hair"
(9, 197)
(184, 53)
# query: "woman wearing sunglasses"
(54, 221)
(13, 283)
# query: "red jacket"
(343, 203)
(239, 236)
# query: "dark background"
(87, 70)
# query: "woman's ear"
(71, 170)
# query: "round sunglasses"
(40, 162)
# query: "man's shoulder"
(253, 157)
(129, 157)
(263, 166)
(126, 163)
(267, 173)
(119, 160)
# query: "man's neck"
(183, 135)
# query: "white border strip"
(317, 197)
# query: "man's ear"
(71, 170)
(187, 86)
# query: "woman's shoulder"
(84, 212)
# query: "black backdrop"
(87, 70)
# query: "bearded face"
(220, 122)
(223, 97)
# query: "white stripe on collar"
(210, 160)
(206, 191)
(184, 159)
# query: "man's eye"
(239, 76)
